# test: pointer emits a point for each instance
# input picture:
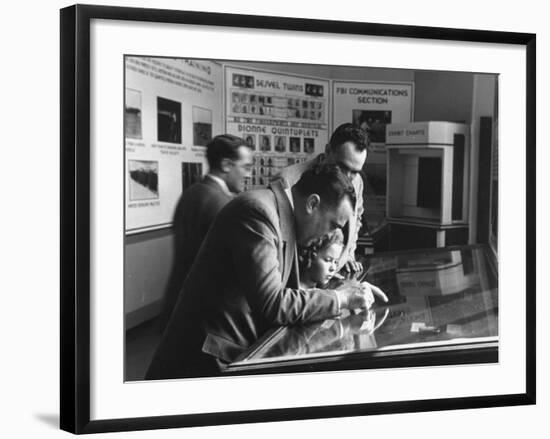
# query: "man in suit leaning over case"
(245, 278)
(347, 147)
(230, 162)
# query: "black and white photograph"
(309, 145)
(397, 263)
(132, 114)
(364, 245)
(168, 120)
(202, 126)
(294, 144)
(143, 179)
(280, 144)
(250, 140)
(460, 350)
(374, 121)
(191, 173)
(265, 143)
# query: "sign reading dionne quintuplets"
(283, 117)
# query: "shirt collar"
(222, 183)
(288, 193)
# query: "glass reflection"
(436, 297)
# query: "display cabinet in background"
(427, 184)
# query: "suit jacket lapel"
(288, 233)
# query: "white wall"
(29, 323)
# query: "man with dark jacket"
(230, 161)
(245, 278)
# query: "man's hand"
(357, 295)
(372, 292)
(353, 266)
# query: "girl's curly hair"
(308, 254)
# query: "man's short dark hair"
(348, 132)
(224, 146)
(329, 182)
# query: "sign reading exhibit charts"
(172, 110)
(283, 117)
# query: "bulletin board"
(173, 108)
(283, 117)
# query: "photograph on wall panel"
(408, 244)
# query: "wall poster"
(283, 117)
(173, 107)
(373, 105)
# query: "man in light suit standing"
(230, 162)
(347, 147)
(245, 278)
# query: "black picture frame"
(75, 216)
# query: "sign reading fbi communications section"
(373, 105)
(284, 118)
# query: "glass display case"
(442, 309)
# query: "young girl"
(319, 262)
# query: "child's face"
(324, 266)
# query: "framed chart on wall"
(283, 116)
(99, 109)
(172, 107)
